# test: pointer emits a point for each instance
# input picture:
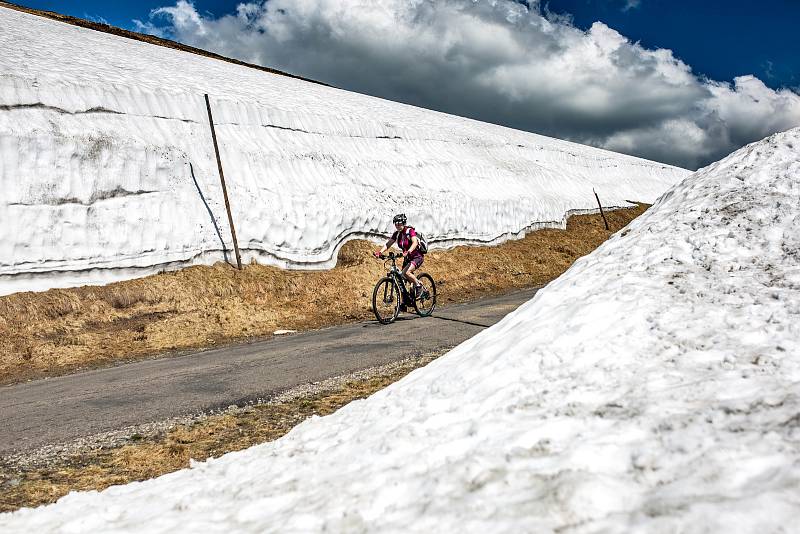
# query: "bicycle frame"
(397, 275)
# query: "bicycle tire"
(426, 306)
(387, 294)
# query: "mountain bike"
(391, 293)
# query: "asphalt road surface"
(58, 410)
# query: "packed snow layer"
(107, 168)
(654, 387)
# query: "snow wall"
(108, 172)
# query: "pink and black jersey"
(403, 240)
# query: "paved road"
(57, 410)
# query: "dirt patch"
(139, 455)
(64, 330)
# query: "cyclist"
(406, 238)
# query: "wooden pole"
(224, 189)
(598, 203)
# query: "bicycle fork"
(388, 291)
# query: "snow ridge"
(654, 387)
(85, 114)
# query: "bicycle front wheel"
(426, 301)
(386, 300)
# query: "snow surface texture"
(107, 168)
(653, 387)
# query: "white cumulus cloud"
(502, 62)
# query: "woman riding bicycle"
(406, 238)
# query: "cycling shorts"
(415, 259)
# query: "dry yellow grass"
(63, 330)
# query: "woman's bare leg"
(408, 272)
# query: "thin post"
(224, 189)
(598, 203)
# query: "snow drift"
(653, 387)
(107, 168)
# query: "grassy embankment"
(63, 330)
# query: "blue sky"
(683, 82)
(718, 38)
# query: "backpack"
(423, 243)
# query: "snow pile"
(108, 170)
(653, 387)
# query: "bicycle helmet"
(399, 218)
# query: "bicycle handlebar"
(390, 256)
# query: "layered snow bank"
(653, 387)
(107, 168)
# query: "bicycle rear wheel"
(386, 300)
(426, 302)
